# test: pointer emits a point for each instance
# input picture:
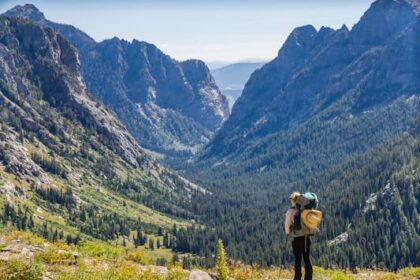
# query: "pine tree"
(221, 267)
(69, 239)
(151, 244)
(175, 258)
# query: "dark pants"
(299, 251)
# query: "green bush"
(55, 254)
(410, 272)
(18, 270)
(176, 273)
(99, 249)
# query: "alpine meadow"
(122, 159)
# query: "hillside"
(69, 168)
(370, 201)
(336, 113)
(169, 107)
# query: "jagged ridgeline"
(328, 95)
(67, 164)
(169, 107)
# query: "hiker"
(301, 242)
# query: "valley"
(118, 161)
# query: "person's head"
(293, 197)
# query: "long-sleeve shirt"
(288, 222)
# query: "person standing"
(301, 243)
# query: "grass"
(91, 260)
(99, 249)
(410, 272)
(24, 237)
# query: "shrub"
(55, 254)
(410, 272)
(176, 273)
(138, 256)
(123, 270)
(25, 237)
(99, 249)
(18, 270)
(149, 275)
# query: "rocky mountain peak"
(384, 20)
(29, 11)
(298, 40)
(36, 42)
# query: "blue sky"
(217, 30)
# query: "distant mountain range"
(231, 79)
(169, 107)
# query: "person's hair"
(293, 197)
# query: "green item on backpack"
(308, 200)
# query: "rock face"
(329, 82)
(51, 67)
(168, 106)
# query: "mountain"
(231, 79)
(337, 113)
(169, 107)
(328, 95)
(66, 163)
(370, 201)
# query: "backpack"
(307, 219)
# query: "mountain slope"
(370, 201)
(169, 107)
(329, 94)
(336, 113)
(231, 79)
(66, 161)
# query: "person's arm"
(288, 221)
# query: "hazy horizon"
(214, 31)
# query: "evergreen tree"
(151, 244)
(222, 270)
(175, 258)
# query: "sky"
(216, 30)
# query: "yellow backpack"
(307, 219)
